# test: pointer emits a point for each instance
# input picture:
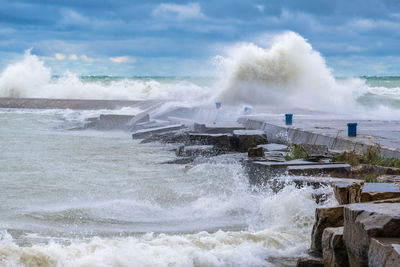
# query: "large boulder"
(384, 252)
(324, 218)
(333, 247)
(365, 221)
(245, 139)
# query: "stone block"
(333, 248)
(310, 261)
(255, 152)
(145, 133)
(219, 141)
(336, 170)
(364, 221)
(324, 218)
(246, 139)
(384, 252)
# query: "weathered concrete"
(337, 170)
(346, 193)
(139, 134)
(330, 132)
(367, 170)
(217, 128)
(363, 221)
(324, 218)
(333, 248)
(384, 252)
(246, 139)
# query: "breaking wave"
(289, 73)
(279, 228)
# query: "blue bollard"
(218, 105)
(247, 110)
(288, 119)
(352, 129)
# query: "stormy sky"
(121, 37)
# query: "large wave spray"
(289, 73)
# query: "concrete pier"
(325, 130)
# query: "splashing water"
(289, 73)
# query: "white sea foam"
(279, 227)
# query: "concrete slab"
(144, 133)
(343, 170)
(217, 128)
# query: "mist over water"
(289, 73)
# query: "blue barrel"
(218, 105)
(352, 129)
(288, 119)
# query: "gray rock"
(336, 170)
(384, 252)
(333, 247)
(363, 221)
(310, 261)
(245, 139)
(367, 169)
(379, 191)
(324, 218)
(217, 128)
(144, 133)
(221, 142)
(255, 152)
(312, 149)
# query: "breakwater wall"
(283, 134)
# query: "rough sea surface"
(92, 198)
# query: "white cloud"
(122, 59)
(73, 57)
(179, 12)
(260, 8)
(86, 58)
(59, 56)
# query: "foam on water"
(278, 228)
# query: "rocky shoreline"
(364, 230)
